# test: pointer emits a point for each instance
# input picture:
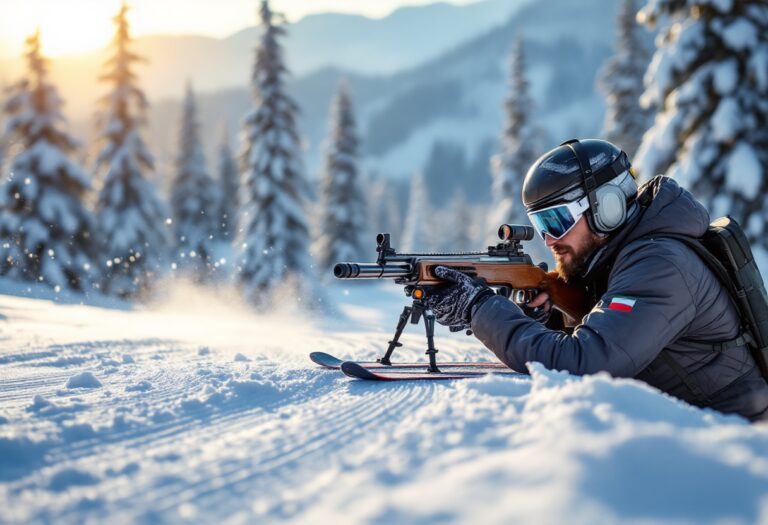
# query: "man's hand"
(539, 308)
(452, 303)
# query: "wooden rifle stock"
(567, 298)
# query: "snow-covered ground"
(196, 411)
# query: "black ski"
(357, 371)
(329, 361)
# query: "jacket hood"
(664, 207)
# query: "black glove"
(540, 313)
(452, 303)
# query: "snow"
(759, 65)
(250, 431)
(740, 35)
(744, 173)
(726, 76)
(761, 259)
(727, 120)
(83, 380)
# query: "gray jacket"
(651, 294)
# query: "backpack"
(724, 248)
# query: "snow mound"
(278, 440)
(141, 386)
(607, 450)
(83, 380)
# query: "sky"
(74, 26)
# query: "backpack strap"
(685, 377)
(742, 339)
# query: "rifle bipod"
(414, 312)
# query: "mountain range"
(405, 38)
(454, 99)
(423, 76)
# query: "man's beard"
(580, 256)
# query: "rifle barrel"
(349, 270)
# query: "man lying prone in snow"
(658, 308)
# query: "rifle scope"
(348, 270)
(515, 232)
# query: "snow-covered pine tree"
(446, 167)
(132, 218)
(195, 199)
(45, 228)
(375, 188)
(458, 235)
(342, 226)
(709, 77)
(519, 146)
(229, 184)
(275, 230)
(391, 207)
(416, 230)
(383, 209)
(621, 80)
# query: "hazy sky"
(69, 26)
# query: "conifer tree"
(416, 236)
(709, 76)
(461, 230)
(455, 233)
(446, 167)
(384, 214)
(45, 228)
(342, 206)
(622, 82)
(392, 211)
(195, 199)
(131, 216)
(229, 183)
(275, 229)
(519, 146)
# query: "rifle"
(505, 267)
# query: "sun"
(71, 26)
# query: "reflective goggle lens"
(558, 220)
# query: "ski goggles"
(558, 220)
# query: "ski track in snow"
(172, 416)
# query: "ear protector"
(607, 199)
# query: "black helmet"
(578, 168)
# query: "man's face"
(572, 251)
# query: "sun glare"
(66, 26)
(78, 26)
(75, 27)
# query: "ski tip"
(353, 369)
(326, 360)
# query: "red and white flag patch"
(622, 304)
